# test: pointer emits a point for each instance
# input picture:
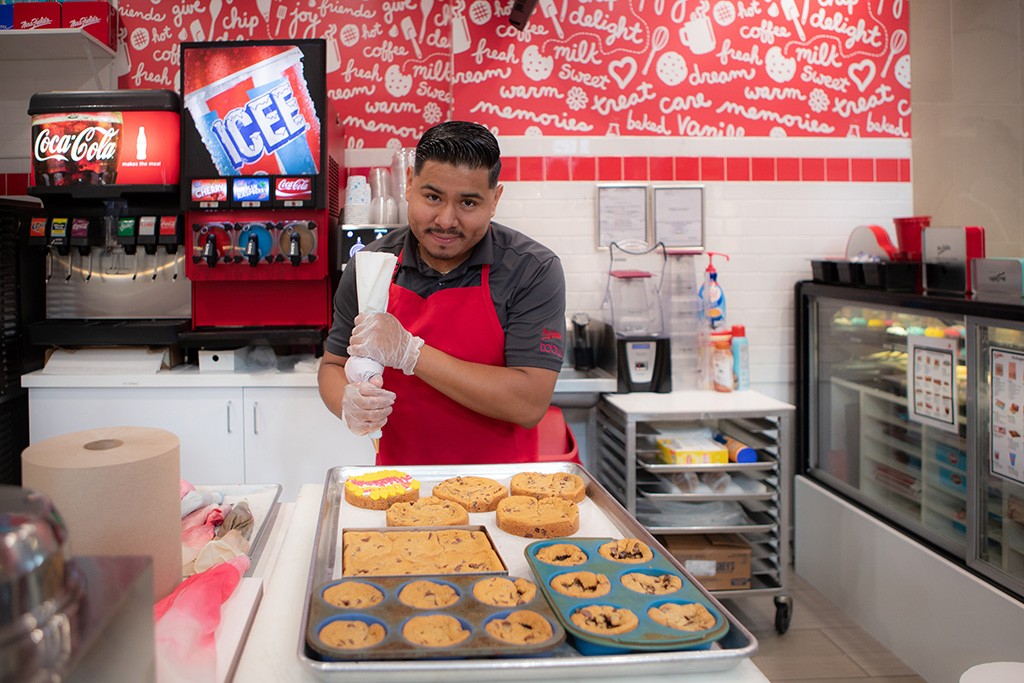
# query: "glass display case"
(911, 407)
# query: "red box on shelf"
(96, 18)
(32, 15)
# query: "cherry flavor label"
(210, 190)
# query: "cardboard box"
(97, 18)
(719, 561)
(221, 361)
(33, 15)
(691, 450)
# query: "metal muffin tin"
(649, 635)
(600, 515)
(392, 613)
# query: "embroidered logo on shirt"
(550, 342)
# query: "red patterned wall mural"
(691, 68)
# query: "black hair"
(460, 143)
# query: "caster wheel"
(783, 613)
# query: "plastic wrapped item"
(719, 482)
(689, 482)
(673, 513)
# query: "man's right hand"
(366, 406)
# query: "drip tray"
(106, 332)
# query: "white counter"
(271, 650)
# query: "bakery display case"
(912, 410)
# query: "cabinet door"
(292, 439)
(207, 421)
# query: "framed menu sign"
(1007, 437)
(621, 213)
(679, 217)
(931, 382)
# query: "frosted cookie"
(626, 550)
(353, 594)
(562, 554)
(558, 485)
(532, 518)
(429, 511)
(688, 616)
(351, 634)
(520, 627)
(380, 490)
(434, 630)
(504, 592)
(476, 494)
(652, 585)
(581, 584)
(428, 595)
(604, 619)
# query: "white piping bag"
(373, 280)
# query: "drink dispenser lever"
(210, 250)
(294, 249)
(252, 250)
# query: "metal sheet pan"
(600, 515)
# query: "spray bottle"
(712, 297)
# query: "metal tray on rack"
(600, 515)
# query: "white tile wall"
(770, 230)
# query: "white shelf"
(51, 43)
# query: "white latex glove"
(366, 406)
(381, 337)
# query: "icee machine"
(261, 170)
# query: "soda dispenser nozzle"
(252, 251)
(210, 250)
(294, 248)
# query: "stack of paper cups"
(403, 160)
(357, 200)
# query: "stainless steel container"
(40, 588)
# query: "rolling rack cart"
(629, 467)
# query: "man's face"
(450, 209)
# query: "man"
(472, 340)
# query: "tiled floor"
(822, 643)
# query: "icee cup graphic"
(252, 109)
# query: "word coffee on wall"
(672, 68)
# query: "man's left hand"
(380, 336)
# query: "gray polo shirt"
(527, 287)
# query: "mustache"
(449, 232)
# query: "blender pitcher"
(634, 301)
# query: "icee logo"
(264, 125)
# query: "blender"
(634, 300)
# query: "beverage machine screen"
(254, 110)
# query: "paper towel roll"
(117, 489)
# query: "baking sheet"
(600, 515)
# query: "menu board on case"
(931, 382)
(1007, 438)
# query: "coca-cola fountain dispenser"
(260, 178)
(106, 166)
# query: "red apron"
(428, 428)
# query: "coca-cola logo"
(90, 144)
(294, 188)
